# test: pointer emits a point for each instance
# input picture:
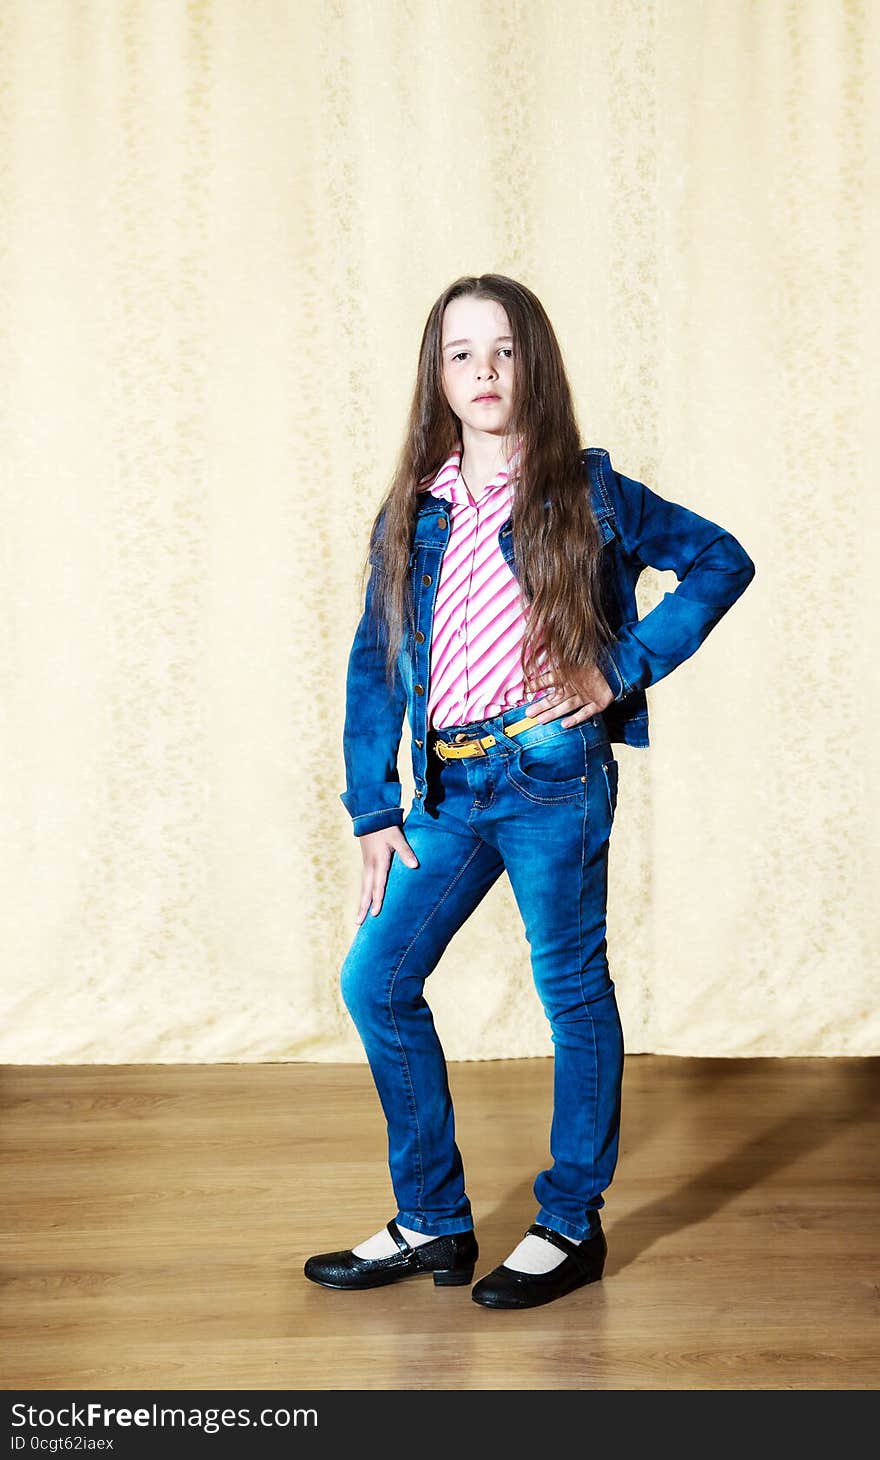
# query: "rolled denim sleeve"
(713, 570)
(374, 712)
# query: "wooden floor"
(156, 1221)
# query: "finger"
(378, 896)
(405, 851)
(368, 890)
(557, 708)
(540, 703)
(366, 893)
(547, 686)
(585, 713)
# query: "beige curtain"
(224, 222)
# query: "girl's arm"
(373, 724)
(712, 567)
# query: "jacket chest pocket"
(424, 560)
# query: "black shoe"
(450, 1259)
(505, 1287)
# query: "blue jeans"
(539, 805)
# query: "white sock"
(535, 1254)
(382, 1244)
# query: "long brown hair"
(557, 550)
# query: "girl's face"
(477, 354)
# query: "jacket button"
(426, 579)
(419, 689)
(420, 638)
(441, 521)
(419, 744)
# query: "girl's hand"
(553, 702)
(378, 848)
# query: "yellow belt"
(462, 744)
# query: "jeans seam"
(437, 905)
(587, 1008)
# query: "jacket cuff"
(377, 820)
(375, 796)
(609, 669)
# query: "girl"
(500, 617)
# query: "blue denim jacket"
(640, 529)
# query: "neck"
(483, 456)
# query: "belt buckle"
(460, 738)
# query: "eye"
(505, 350)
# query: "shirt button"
(419, 689)
(419, 744)
(420, 638)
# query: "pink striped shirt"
(479, 614)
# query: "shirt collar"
(449, 482)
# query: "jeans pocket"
(552, 767)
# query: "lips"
(490, 395)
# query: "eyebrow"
(450, 343)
